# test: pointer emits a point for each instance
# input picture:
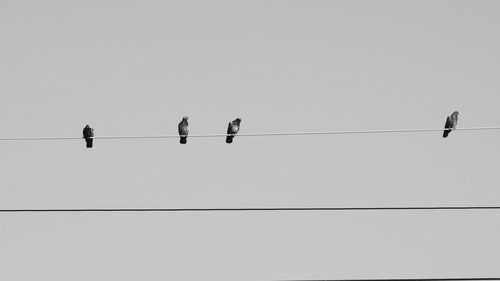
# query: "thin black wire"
(253, 134)
(264, 209)
(406, 279)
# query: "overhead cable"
(250, 209)
(407, 279)
(276, 134)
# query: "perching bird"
(88, 135)
(232, 129)
(451, 123)
(183, 130)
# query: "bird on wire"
(183, 130)
(232, 129)
(451, 124)
(88, 135)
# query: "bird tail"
(229, 139)
(183, 140)
(89, 142)
(445, 133)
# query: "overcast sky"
(137, 67)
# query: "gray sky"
(136, 67)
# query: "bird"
(451, 123)
(183, 130)
(88, 135)
(232, 129)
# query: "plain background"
(136, 67)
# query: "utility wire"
(263, 209)
(253, 134)
(410, 279)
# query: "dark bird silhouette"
(232, 129)
(451, 123)
(88, 135)
(183, 130)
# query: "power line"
(254, 134)
(407, 279)
(259, 209)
